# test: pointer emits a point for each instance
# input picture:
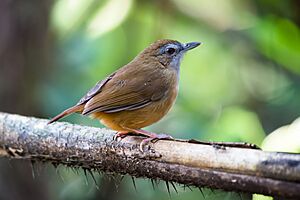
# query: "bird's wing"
(95, 90)
(127, 93)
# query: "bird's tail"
(74, 109)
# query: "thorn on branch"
(174, 187)
(93, 177)
(133, 182)
(152, 182)
(168, 188)
(86, 178)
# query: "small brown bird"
(139, 93)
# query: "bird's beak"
(190, 45)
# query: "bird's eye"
(170, 50)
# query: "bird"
(138, 94)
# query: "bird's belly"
(136, 119)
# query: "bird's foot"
(120, 134)
(152, 137)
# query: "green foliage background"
(240, 85)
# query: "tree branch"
(193, 164)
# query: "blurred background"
(242, 84)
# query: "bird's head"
(168, 52)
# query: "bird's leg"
(120, 134)
(151, 137)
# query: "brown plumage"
(138, 94)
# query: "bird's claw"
(119, 135)
(154, 138)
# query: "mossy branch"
(189, 163)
